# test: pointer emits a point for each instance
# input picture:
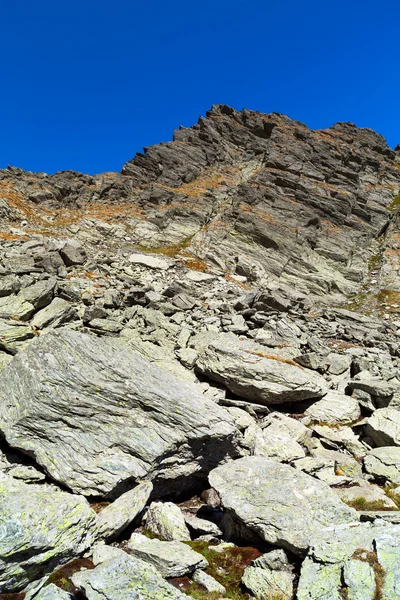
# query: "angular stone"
(384, 427)
(13, 335)
(265, 583)
(334, 409)
(259, 377)
(384, 462)
(172, 559)
(152, 262)
(73, 253)
(388, 553)
(106, 415)
(365, 495)
(55, 314)
(208, 582)
(52, 592)
(125, 578)
(41, 528)
(15, 307)
(359, 578)
(201, 526)
(39, 294)
(266, 497)
(115, 517)
(319, 581)
(166, 520)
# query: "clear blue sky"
(84, 85)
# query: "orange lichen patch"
(330, 228)
(93, 276)
(193, 262)
(288, 361)
(263, 215)
(9, 237)
(341, 344)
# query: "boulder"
(334, 409)
(264, 497)
(55, 314)
(14, 335)
(115, 517)
(384, 462)
(384, 427)
(125, 578)
(41, 528)
(172, 559)
(166, 520)
(152, 262)
(73, 253)
(98, 416)
(248, 371)
(52, 592)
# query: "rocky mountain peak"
(199, 369)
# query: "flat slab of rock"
(55, 314)
(267, 497)
(119, 514)
(40, 528)
(95, 413)
(171, 559)
(249, 372)
(384, 462)
(334, 409)
(152, 262)
(166, 520)
(384, 427)
(125, 578)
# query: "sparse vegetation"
(62, 577)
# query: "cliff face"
(309, 212)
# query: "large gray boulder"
(125, 578)
(384, 462)
(285, 507)
(96, 415)
(251, 372)
(115, 517)
(384, 427)
(40, 528)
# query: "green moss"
(172, 250)
(395, 205)
(62, 577)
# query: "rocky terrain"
(199, 370)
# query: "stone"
(359, 578)
(388, 554)
(55, 314)
(9, 284)
(252, 488)
(152, 262)
(73, 253)
(334, 409)
(101, 553)
(125, 578)
(52, 527)
(40, 294)
(52, 592)
(14, 335)
(107, 416)
(255, 375)
(366, 494)
(265, 583)
(15, 307)
(208, 582)
(384, 427)
(201, 526)
(166, 520)
(384, 462)
(171, 559)
(115, 517)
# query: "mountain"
(204, 348)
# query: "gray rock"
(15, 307)
(55, 314)
(384, 427)
(384, 462)
(9, 284)
(388, 553)
(208, 582)
(52, 592)
(334, 409)
(359, 578)
(115, 517)
(319, 581)
(41, 528)
(125, 578)
(98, 414)
(14, 335)
(153, 262)
(265, 583)
(73, 253)
(370, 494)
(252, 488)
(39, 294)
(172, 559)
(201, 526)
(102, 553)
(166, 520)
(259, 377)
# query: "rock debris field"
(200, 370)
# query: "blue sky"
(84, 85)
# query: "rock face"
(96, 414)
(266, 498)
(40, 529)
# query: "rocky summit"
(200, 369)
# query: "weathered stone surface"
(166, 520)
(119, 514)
(334, 409)
(153, 262)
(13, 334)
(208, 582)
(40, 528)
(265, 583)
(384, 462)
(365, 493)
(172, 559)
(39, 294)
(52, 592)
(55, 314)
(73, 253)
(250, 373)
(384, 427)
(99, 414)
(15, 307)
(125, 578)
(266, 497)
